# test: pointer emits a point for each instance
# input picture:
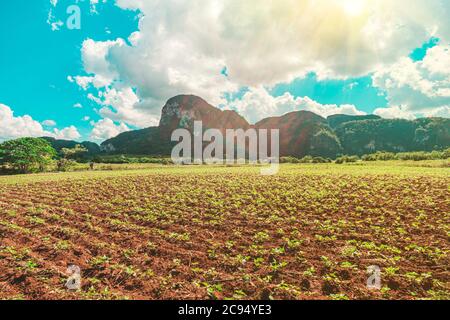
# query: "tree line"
(25, 155)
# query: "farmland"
(309, 232)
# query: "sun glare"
(353, 7)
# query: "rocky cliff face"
(182, 111)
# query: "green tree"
(68, 157)
(25, 154)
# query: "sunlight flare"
(353, 8)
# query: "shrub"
(320, 160)
(307, 159)
(347, 159)
(446, 154)
(412, 156)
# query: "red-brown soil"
(217, 236)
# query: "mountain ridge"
(301, 132)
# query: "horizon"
(114, 73)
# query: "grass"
(120, 170)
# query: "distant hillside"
(179, 112)
(301, 133)
(362, 137)
(338, 119)
(93, 148)
(140, 142)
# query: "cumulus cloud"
(422, 88)
(394, 112)
(264, 42)
(69, 133)
(12, 127)
(49, 123)
(182, 47)
(106, 128)
(257, 104)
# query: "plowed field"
(216, 233)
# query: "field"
(156, 232)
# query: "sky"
(115, 70)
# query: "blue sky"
(36, 61)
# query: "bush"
(320, 160)
(122, 159)
(64, 164)
(289, 160)
(412, 156)
(446, 154)
(307, 159)
(385, 156)
(347, 159)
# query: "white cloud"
(395, 112)
(69, 133)
(78, 106)
(257, 104)
(106, 128)
(443, 112)
(94, 55)
(49, 123)
(124, 105)
(12, 127)
(264, 42)
(422, 88)
(52, 21)
(93, 4)
(182, 46)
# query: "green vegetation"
(347, 159)
(123, 159)
(413, 156)
(370, 136)
(378, 156)
(68, 157)
(26, 154)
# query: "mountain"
(363, 137)
(92, 148)
(140, 142)
(338, 119)
(181, 112)
(301, 133)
